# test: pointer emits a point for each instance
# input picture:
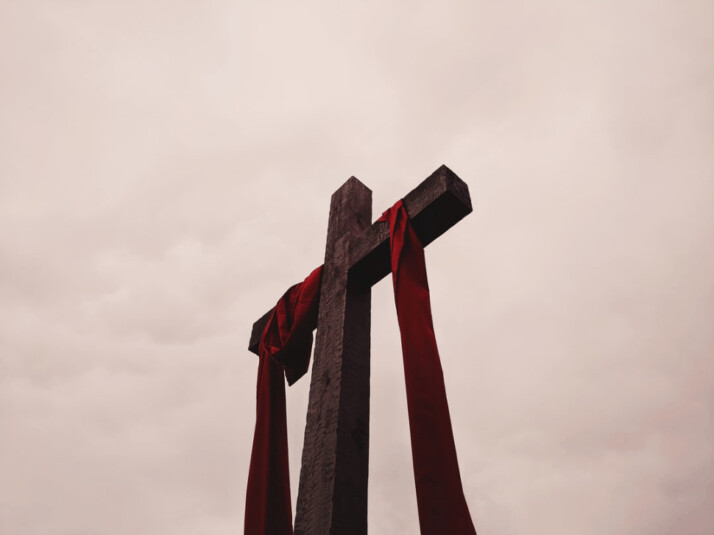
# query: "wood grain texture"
(332, 496)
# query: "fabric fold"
(284, 349)
(440, 498)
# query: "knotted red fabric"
(440, 497)
(284, 349)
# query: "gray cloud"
(165, 174)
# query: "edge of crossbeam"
(434, 206)
(257, 331)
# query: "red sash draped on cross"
(440, 497)
(285, 348)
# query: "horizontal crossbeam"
(434, 206)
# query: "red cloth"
(440, 497)
(284, 348)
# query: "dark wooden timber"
(332, 497)
(434, 206)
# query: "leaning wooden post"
(333, 480)
(332, 497)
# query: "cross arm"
(434, 206)
(257, 331)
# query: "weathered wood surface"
(436, 205)
(332, 497)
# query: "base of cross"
(332, 494)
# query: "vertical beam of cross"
(336, 447)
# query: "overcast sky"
(165, 174)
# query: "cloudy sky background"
(165, 174)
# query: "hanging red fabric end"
(440, 497)
(285, 347)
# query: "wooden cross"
(332, 496)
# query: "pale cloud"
(165, 174)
